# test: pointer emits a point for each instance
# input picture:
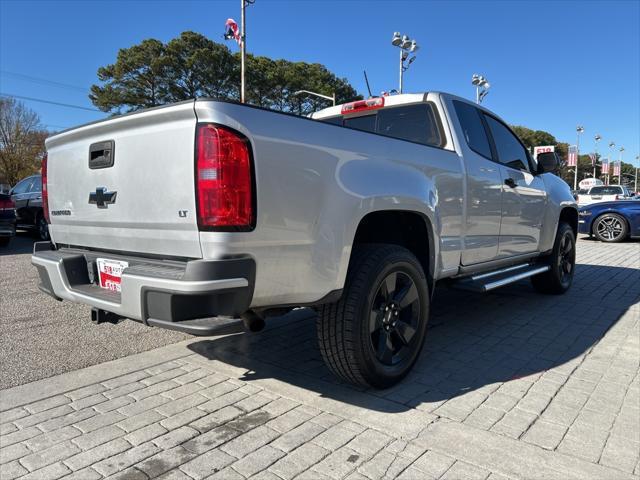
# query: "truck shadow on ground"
(474, 341)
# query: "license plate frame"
(110, 273)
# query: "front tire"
(373, 335)
(610, 228)
(562, 262)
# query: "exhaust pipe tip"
(252, 322)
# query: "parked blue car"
(611, 221)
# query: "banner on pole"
(572, 159)
(605, 167)
(616, 169)
(592, 156)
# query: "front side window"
(510, 151)
(472, 128)
(415, 123)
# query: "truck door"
(523, 194)
(20, 196)
(484, 188)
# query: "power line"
(43, 81)
(68, 105)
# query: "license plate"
(110, 273)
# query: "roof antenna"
(367, 80)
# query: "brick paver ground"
(510, 385)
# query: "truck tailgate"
(144, 201)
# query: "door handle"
(510, 182)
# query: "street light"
(579, 130)
(611, 147)
(635, 188)
(327, 97)
(482, 87)
(406, 46)
(597, 138)
(620, 165)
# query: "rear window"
(366, 123)
(416, 123)
(607, 190)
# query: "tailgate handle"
(101, 154)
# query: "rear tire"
(42, 228)
(610, 228)
(562, 262)
(372, 336)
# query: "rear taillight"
(6, 204)
(45, 192)
(362, 105)
(224, 187)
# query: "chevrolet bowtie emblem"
(102, 198)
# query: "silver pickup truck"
(177, 215)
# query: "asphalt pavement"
(41, 337)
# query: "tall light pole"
(243, 46)
(620, 165)
(406, 46)
(635, 188)
(597, 138)
(611, 147)
(482, 87)
(579, 130)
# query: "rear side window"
(23, 186)
(366, 123)
(36, 186)
(473, 128)
(510, 151)
(416, 123)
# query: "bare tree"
(21, 140)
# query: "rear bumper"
(165, 294)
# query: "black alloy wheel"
(394, 318)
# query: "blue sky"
(552, 65)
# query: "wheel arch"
(404, 228)
(570, 215)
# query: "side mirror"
(548, 162)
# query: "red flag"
(231, 30)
